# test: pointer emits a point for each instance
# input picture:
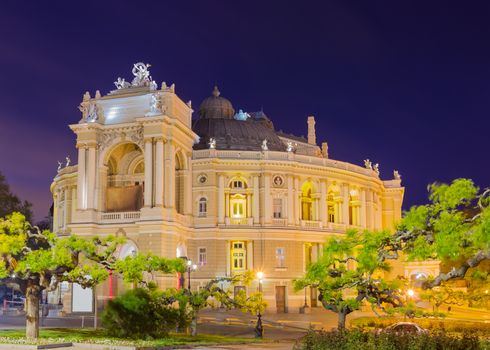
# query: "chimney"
(311, 131)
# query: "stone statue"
(368, 164)
(155, 104)
(289, 146)
(121, 83)
(59, 165)
(68, 161)
(212, 143)
(141, 74)
(264, 145)
(397, 175)
(376, 168)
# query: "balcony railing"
(239, 221)
(279, 222)
(120, 217)
(311, 224)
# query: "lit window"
(203, 207)
(202, 259)
(238, 204)
(237, 184)
(277, 204)
(238, 256)
(280, 257)
(330, 208)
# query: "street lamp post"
(190, 267)
(306, 304)
(259, 329)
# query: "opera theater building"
(219, 186)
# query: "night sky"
(404, 83)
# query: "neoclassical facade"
(225, 189)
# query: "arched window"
(331, 208)
(203, 207)
(306, 202)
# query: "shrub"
(357, 339)
(139, 314)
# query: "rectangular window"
(277, 206)
(280, 257)
(202, 256)
(203, 207)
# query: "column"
(158, 172)
(267, 199)
(65, 207)
(227, 204)
(314, 253)
(102, 188)
(73, 202)
(250, 255)
(345, 204)
(290, 201)
(379, 213)
(56, 198)
(91, 174)
(323, 203)
(362, 209)
(255, 209)
(169, 175)
(81, 191)
(249, 205)
(297, 201)
(228, 258)
(369, 210)
(316, 214)
(221, 201)
(148, 173)
(188, 186)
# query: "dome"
(216, 106)
(233, 134)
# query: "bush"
(357, 339)
(139, 314)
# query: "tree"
(443, 295)
(10, 203)
(37, 261)
(453, 228)
(350, 272)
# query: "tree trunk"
(193, 326)
(32, 310)
(342, 317)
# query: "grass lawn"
(87, 335)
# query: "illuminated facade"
(226, 190)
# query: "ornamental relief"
(107, 139)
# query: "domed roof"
(232, 134)
(216, 106)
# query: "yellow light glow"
(260, 275)
(410, 292)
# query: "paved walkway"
(273, 346)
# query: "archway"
(307, 201)
(125, 179)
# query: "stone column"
(158, 172)
(56, 198)
(314, 253)
(290, 204)
(369, 210)
(249, 205)
(188, 187)
(228, 258)
(227, 204)
(81, 184)
(345, 204)
(102, 188)
(362, 209)
(267, 199)
(170, 175)
(66, 192)
(297, 201)
(148, 173)
(221, 199)
(250, 255)
(323, 203)
(91, 174)
(73, 202)
(256, 200)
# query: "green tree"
(37, 261)
(10, 203)
(350, 272)
(454, 228)
(443, 295)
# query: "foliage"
(357, 339)
(140, 313)
(444, 295)
(38, 260)
(453, 228)
(348, 273)
(10, 203)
